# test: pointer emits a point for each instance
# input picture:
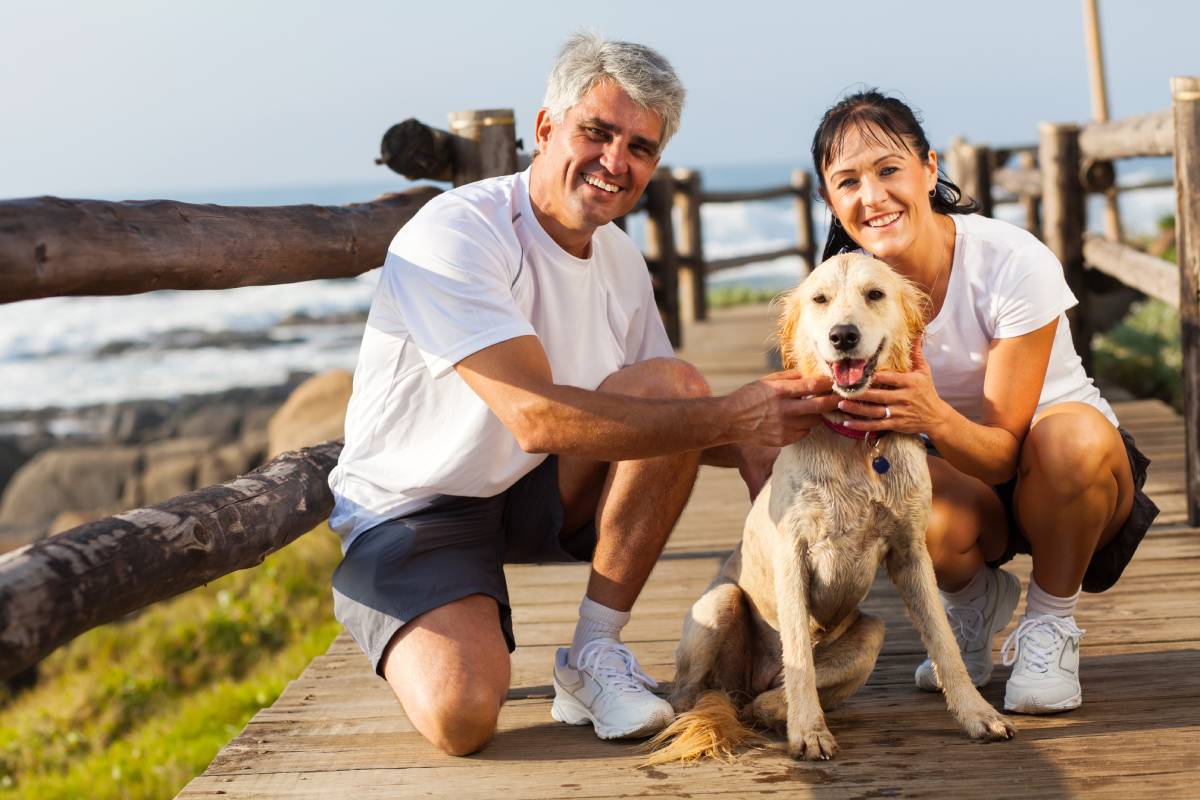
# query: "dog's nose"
(844, 337)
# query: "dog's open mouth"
(851, 375)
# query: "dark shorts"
(454, 547)
(1109, 561)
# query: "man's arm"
(514, 379)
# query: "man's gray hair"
(641, 72)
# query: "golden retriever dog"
(779, 628)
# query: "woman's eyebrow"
(873, 163)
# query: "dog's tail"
(710, 730)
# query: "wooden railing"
(1051, 182)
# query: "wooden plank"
(749, 196)
(752, 258)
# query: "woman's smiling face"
(879, 189)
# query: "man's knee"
(460, 722)
(661, 378)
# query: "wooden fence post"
(693, 297)
(805, 241)
(1063, 221)
(1030, 203)
(494, 150)
(660, 250)
(970, 166)
(1185, 100)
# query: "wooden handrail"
(1147, 135)
(54, 247)
(749, 195)
(55, 589)
(1151, 276)
(750, 258)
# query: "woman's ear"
(931, 163)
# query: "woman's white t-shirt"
(471, 269)
(1003, 283)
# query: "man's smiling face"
(593, 165)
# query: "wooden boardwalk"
(337, 731)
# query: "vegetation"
(138, 708)
(729, 296)
(1142, 352)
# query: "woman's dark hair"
(883, 120)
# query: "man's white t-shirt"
(1003, 283)
(471, 269)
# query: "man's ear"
(542, 128)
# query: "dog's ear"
(789, 319)
(916, 309)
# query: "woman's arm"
(1012, 384)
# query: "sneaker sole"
(1044, 708)
(569, 710)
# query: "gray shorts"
(454, 547)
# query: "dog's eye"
(875, 294)
(820, 299)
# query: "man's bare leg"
(635, 504)
(450, 670)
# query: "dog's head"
(851, 316)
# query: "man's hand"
(779, 409)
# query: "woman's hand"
(909, 404)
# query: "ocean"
(78, 351)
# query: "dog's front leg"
(808, 736)
(911, 570)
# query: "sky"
(132, 99)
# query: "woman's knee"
(658, 378)
(963, 511)
(1067, 453)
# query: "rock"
(12, 458)
(314, 413)
(170, 469)
(69, 479)
(231, 460)
(220, 421)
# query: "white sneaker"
(974, 625)
(608, 690)
(1046, 676)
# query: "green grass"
(729, 296)
(1142, 353)
(136, 709)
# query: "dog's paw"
(989, 725)
(814, 744)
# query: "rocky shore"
(61, 467)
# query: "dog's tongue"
(849, 372)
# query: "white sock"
(595, 622)
(1038, 602)
(975, 589)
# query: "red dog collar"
(850, 433)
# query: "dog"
(780, 626)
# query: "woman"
(1025, 455)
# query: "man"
(516, 400)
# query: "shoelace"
(966, 622)
(1037, 640)
(625, 675)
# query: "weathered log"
(693, 299)
(1147, 135)
(53, 590)
(661, 252)
(484, 143)
(970, 166)
(748, 196)
(753, 258)
(1185, 97)
(417, 151)
(1021, 182)
(1064, 221)
(1149, 275)
(806, 242)
(53, 247)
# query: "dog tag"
(881, 464)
